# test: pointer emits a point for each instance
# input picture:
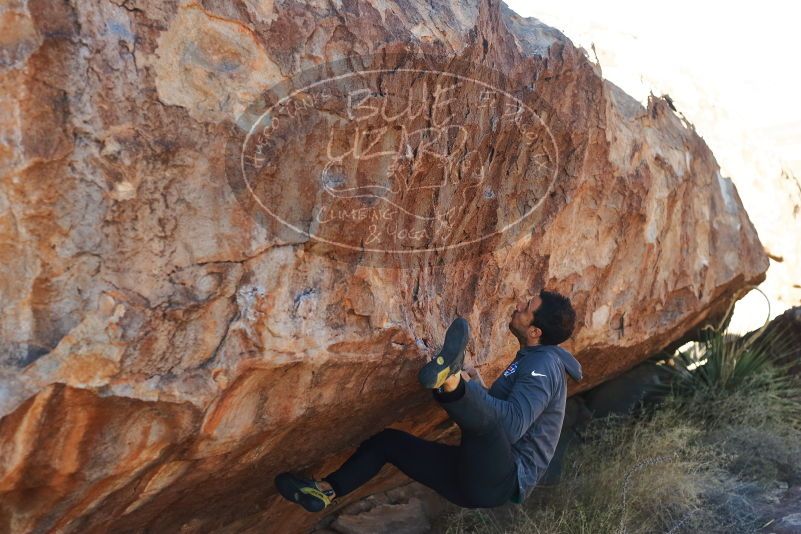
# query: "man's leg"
(428, 462)
(486, 466)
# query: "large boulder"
(782, 336)
(175, 332)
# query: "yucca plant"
(724, 377)
(722, 362)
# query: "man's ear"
(534, 332)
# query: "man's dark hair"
(555, 317)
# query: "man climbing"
(509, 432)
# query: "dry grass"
(636, 477)
(703, 460)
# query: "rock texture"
(783, 516)
(164, 353)
(760, 150)
(408, 508)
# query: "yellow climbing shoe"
(450, 359)
(303, 491)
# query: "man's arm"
(530, 395)
(473, 374)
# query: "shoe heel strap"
(317, 493)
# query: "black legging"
(478, 473)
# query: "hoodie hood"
(572, 365)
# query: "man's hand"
(473, 374)
(452, 382)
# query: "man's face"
(523, 314)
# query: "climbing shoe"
(303, 491)
(450, 359)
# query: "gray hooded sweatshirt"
(529, 400)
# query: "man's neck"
(523, 346)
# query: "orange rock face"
(210, 276)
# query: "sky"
(747, 54)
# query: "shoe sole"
(450, 359)
(290, 489)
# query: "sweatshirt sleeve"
(530, 394)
